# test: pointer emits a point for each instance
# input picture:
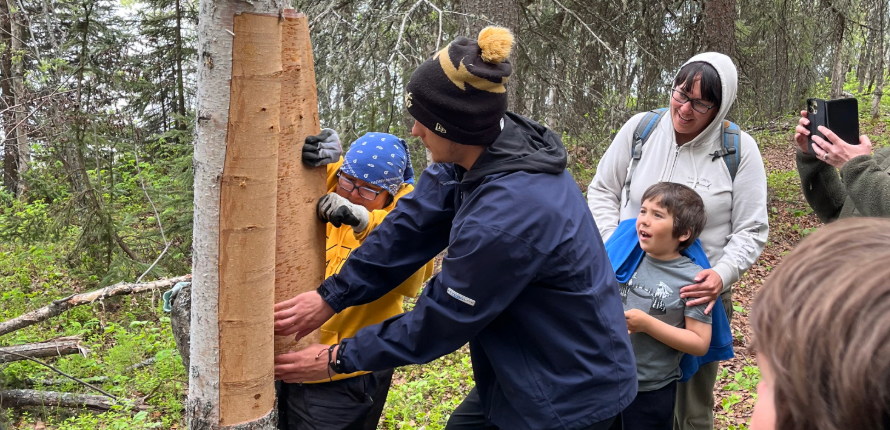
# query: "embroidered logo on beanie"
(440, 129)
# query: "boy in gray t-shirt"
(662, 327)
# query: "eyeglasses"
(697, 104)
(363, 192)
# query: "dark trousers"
(651, 410)
(348, 404)
(469, 416)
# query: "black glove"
(338, 211)
(323, 148)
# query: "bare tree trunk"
(837, 72)
(720, 26)
(220, 300)
(879, 62)
(865, 53)
(22, 150)
(180, 85)
(180, 322)
(10, 172)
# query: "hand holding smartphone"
(840, 116)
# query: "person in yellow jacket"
(363, 187)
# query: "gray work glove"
(338, 211)
(323, 148)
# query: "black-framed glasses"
(363, 192)
(697, 104)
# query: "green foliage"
(426, 395)
(25, 222)
(746, 380)
(783, 185)
(119, 333)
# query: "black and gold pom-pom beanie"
(460, 92)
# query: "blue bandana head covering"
(379, 159)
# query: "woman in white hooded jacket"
(681, 149)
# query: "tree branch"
(95, 379)
(64, 374)
(57, 307)
(587, 27)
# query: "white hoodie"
(737, 226)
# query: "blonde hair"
(822, 321)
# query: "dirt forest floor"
(790, 220)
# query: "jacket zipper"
(674, 165)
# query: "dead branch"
(57, 307)
(93, 380)
(19, 398)
(50, 348)
(405, 20)
(587, 27)
(65, 374)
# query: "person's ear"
(685, 236)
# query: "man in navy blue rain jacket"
(526, 280)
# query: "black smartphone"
(840, 116)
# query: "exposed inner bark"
(248, 202)
(300, 243)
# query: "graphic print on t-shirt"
(657, 294)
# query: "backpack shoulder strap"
(641, 134)
(731, 152)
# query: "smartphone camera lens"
(811, 107)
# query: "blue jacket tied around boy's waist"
(625, 255)
(526, 281)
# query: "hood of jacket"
(523, 145)
(729, 82)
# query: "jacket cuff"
(343, 363)
(854, 166)
(802, 156)
(726, 273)
(325, 290)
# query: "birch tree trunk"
(235, 165)
(300, 236)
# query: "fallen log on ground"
(20, 398)
(50, 348)
(57, 307)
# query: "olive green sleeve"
(821, 186)
(868, 184)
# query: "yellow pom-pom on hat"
(496, 44)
